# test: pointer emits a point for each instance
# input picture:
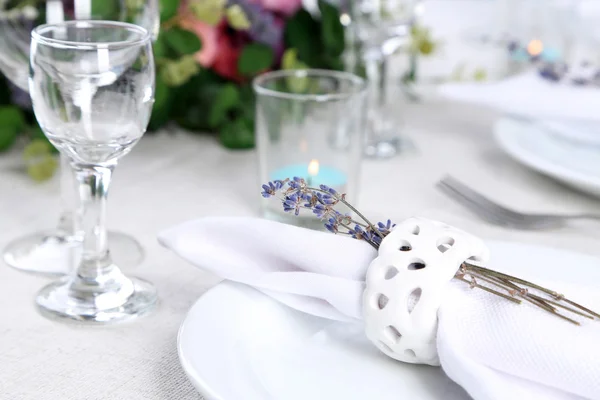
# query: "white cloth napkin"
(494, 349)
(528, 95)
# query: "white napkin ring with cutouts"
(405, 286)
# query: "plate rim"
(509, 142)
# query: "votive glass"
(310, 124)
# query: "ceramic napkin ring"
(406, 284)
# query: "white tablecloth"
(173, 177)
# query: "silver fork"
(500, 215)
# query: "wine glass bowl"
(92, 90)
(93, 102)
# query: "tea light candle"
(314, 174)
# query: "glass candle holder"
(309, 124)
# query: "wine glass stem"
(93, 181)
(69, 198)
(376, 72)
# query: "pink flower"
(207, 34)
(286, 7)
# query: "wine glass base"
(389, 148)
(53, 253)
(75, 300)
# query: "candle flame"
(535, 47)
(313, 167)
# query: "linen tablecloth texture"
(494, 349)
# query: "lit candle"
(315, 174)
(313, 170)
(535, 47)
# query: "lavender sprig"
(295, 195)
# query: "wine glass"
(92, 90)
(47, 251)
(379, 28)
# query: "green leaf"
(228, 99)
(161, 109)
(106, 9)
(12, 117)
(182, 42)
(168, 9)
(37, 134)
(333, 30)
(255, 58)
(238, 134)
(12, 122)
(208, 11)
(160, 47)
(302, 32)
(40, 163)
(7, 138)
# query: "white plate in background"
(572, 162)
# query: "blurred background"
(501, 94)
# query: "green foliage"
(161, 110)
(302, 32)
(289, 60)
(178, 72)
(160, 47)
(37, 134)
(319, 44)
(239, 134)
(226, 101)
(332, 32)
(208, 11)
(39, 160)
(106, 9)
(182, 42)
(168, 9)
(237, 18)
(255, 58)
(12, 122)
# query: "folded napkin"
(529, 95)
(494, 349)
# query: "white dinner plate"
(237, 343)
(573, 163)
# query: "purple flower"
(324, 211)
(292, 203)
(265, 28)
(271, 188)
(297, 183)
(550, 73)
(332, 225)
(326, 199)
(326, 188)
(385, 227)
(513, 46)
